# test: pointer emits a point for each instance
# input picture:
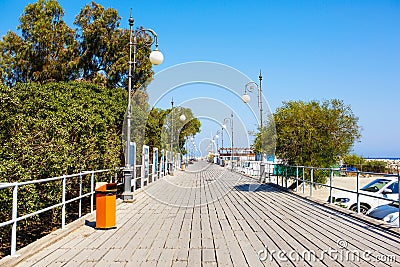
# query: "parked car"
(388, 213)
(385, 187)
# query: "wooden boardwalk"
(209, 216)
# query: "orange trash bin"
(106, 206)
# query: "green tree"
(364, 165)
(47, 50)
(265, 141)
(315, 133)
(104, 48)
(162, 124)
(353, 160)
(154, 127)
(377, 166)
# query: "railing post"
(311, 180)
(297, 178)
(92, 192)
(153, 172)
(63, 201)
(269, 172)
(286, 176)
(80, 195)
(134, 178)
(14, 218)
(303, 179)
(398, 182)
(262, 172)
(142, 175)
(358, 192)
(277, 174)
(330, 186)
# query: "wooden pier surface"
(210, 216)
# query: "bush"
(51, 130)
(374, 166)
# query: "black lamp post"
(156, 58)
(246, 99)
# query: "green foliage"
(265, 141)
(104, 49)
(154, 127)
(374, 166)
(315, 133)
(55, 129)
(48, 50)
(162, 124)
(353, 160)
(49, 129)
(364, 165)
(59, 128)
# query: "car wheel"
(363, 208)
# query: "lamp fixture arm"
(153, 33)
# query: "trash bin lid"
(111, 187)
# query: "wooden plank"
(252, 206)
(210, 218)
(328, 236)
(194, 257)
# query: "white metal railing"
(300, 176)
(64, 201)
(138, 176)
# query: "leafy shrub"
(51, 130)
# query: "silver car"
(388, 213)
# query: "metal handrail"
(16, 185)
(15, 218)
(330, 186)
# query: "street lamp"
(156, 58)
(224, 127)
(171, 164)
(249, 87)
(182, 117)
(215, 138)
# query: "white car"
(385, 187)
(388, 213)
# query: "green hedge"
(51, 130)
(59, 128)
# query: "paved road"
(209, 216)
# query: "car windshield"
(375, 185)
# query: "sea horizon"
(383, 158)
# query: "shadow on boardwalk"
(255, 187)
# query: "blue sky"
(307, 50)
